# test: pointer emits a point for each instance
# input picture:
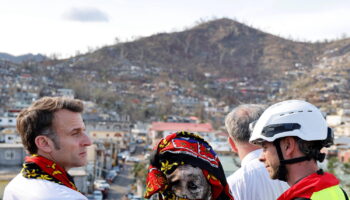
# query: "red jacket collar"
(310, 184)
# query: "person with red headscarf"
(184, 166)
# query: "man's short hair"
(311, 149)
(238, 120)
(37, 119)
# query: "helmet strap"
(295, 160)
(282, 170)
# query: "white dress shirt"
(252, 181)
(21, 188)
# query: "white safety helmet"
(291, 118)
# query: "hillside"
(224, 48)
(327, 83)
(225, 45)
(199, 71)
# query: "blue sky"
(65, 27)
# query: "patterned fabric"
(183, 148)
(38, 167)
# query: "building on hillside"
(80, 176)
(139, 132)
(340, 124)
(111, 137)
(342, 130)
(344, 112)
(184, 101)
(342, 146)
(113, 132)
(17, 106)
(11, 154)
(220, 143)
(9, 136)
(25, 98)
(64, 92)
(121, 139)
(122, 126)
(7, 121)
(344, 156)
(342, 142)
(334, 120)
(159, 130)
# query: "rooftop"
(173, 126)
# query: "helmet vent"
(291, 112)
(309, 110)
(300, 111)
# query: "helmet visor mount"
(330, 138)
(273, 129)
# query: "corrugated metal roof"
(173, 126)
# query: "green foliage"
(341, 171)
(346, 168)
(140, 171)
(332, 164)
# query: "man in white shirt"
(251, 181)
(53, 133)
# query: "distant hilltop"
(22, 58)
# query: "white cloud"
(86, 15)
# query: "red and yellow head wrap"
(183, 148)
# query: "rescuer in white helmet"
(292, 134)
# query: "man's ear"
(288, 146)
(232, 144)
(44, 143)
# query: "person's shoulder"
(253, 166)
(255, 173)
(250, 169)
(236, 175)
(41, 189)
(57, 191)
(14, 182)
(243, 177)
